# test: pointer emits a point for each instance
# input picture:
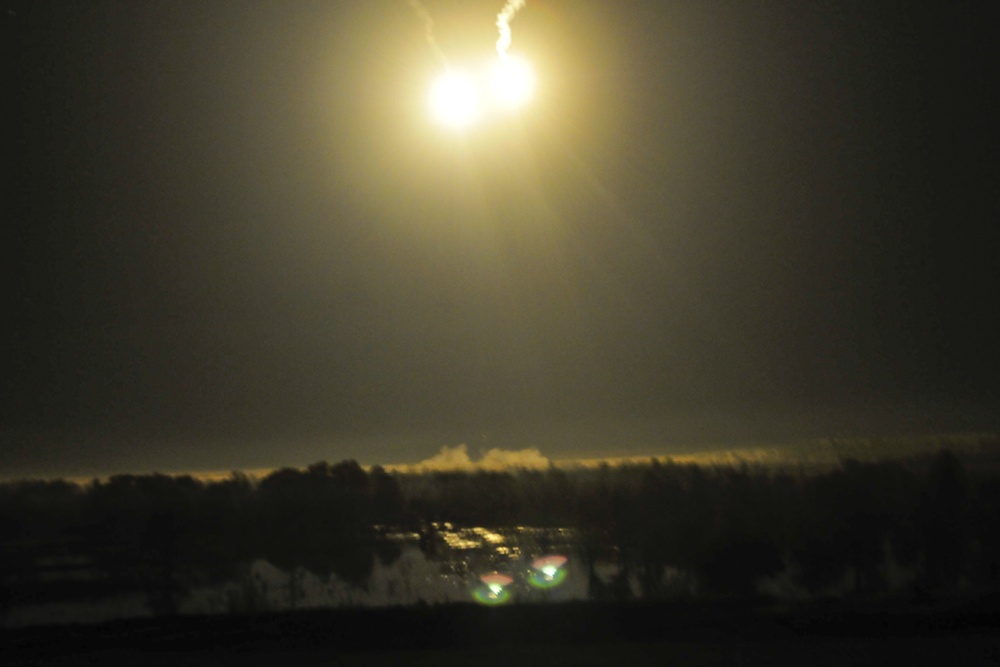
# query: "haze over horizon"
(239, 241)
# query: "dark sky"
(235, 238)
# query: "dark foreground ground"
(956, 633)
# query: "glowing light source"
(454, 99)
(460, 98)
(513, 82)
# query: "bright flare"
(460, 98)
(454, 100)
(494, 592)
(548, 572)
(513, 82)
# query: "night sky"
(235, 238)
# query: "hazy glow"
(460, 98)
(454, 99)
(513, 82)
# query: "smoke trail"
(425, 16)
(503, 24)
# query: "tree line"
(719, 528)
(854, 527)
(165, 535)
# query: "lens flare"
(493, 591)
(548, 571)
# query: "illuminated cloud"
(456, 459)
(450, 458)
(502, 459)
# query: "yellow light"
(460, 98)
(513, 82)
(454, 100)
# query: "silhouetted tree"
(942, 520)
(320, 519)
(738, 547)
(723, 528)
(159, 552)
(386, 498)
(848, 518)
(224, 530)
(140, 534)
(985, 528)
